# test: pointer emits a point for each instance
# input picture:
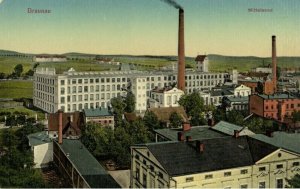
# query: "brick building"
(277, 106)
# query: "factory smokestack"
(173, 4)
(181, 56)
(274, 63)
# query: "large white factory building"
(74, 91)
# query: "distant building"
(75, 91)
(202, 63)
(165, 97)
(277, 106)
(42, 147)
(138, 88)
(230, 162)
(237, 103)
(242, 90)
(79, 167)
(263, 69)
(252, 84)
(72, 124)
(99, 115)
(49, 58)
(163, 114)
(103, 60)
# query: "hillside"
(84, 61)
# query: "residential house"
(99, 115)
(165, 97)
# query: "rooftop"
(288, 141)
(95, 175)
(200, 58)
(95, 112)
(163, 113)
(196, 132)
(277, 96)
(228, 128)
(218, 154)
(238, 99)
(38, 138)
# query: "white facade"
(242, 90)
(43, 154)
(49, 59)
(74, 91)
(262, 69)
(140, 93)
(165, 98)
(202, 66)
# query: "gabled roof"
(219, 154)
(76, 124)
(227, 128)
(96, 112)
(200, 58)
(196, 132)
(38, 138)
(87, 165)
(288, 141)
(277, 96)
(163, 114)
(238, 99)
(221, 92)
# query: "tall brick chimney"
(60, 123)
(181, 55)
(274, 63)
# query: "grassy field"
(78, 65)
(27, 111)
(16, 89)
(7, 64)
(243, 64)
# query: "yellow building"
(230, 162)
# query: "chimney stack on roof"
(186, 126)
(188, 138)
(180, 136)
(236, 134)
(200, 146)
(211, 122)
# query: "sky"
(150, 27)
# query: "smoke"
(173, 3)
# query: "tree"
(260, 88)
(235, 117)
(18, 70)
(130, 102)
(175, 120)
(255, 124)
(118, 108)
(2, 75)
(29, 72)
(194, 105)
(294, 182)
(151, 121)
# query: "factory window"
(287, 106)
(292, 105)
(227, 174)
(107, 87)
(113, 80)
(62, 91)
(262, 184)
(243, 186)
(244, 171)
(137, 169)
(210, 176)
(91, 88)
(152, 78)
(91, 80)
(160, 175)
(86, 105)
(97, 80)
(69, 81)
(91, 105)
(97, 96)
(262, 169)
(62, 100)
(279, 166)
(86, 89)
(73, 89)
(97, 88)
(107, 79)
(91, 97)
(267, 107)
(62, 82)
(86, 97)
(80, 89)
(86, 80)
(73, 81)
(298, 105)
(74, 98)
(68, 98)
(144, 179)
(102, 87)
(79, 97)
(279, 183)
(295, 163)
(80, 106)
(118, 80)
(113, 87)
(79, 81)
(189, 179)
(102, 80)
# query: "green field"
(7, 64)
(27, 111)
(243, 64)
(78, 65)
(16, 89)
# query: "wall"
(256, 105)
(43, 154)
